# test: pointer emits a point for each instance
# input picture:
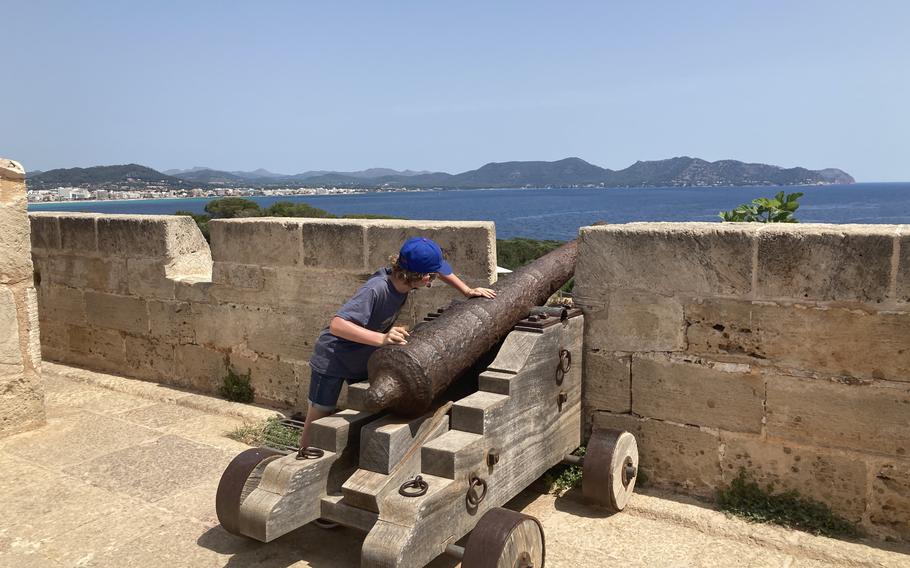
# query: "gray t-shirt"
(374, 306)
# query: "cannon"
(424, 475)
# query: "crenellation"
(799, 379)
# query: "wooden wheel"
(240, 477)
(505, 539)
(610, 468)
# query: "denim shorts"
(324, 391)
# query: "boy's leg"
(323, 395)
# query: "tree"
(232, 207)
(778, 209)
(289, 209)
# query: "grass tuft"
(236, 387)
(745, 498)
(561, 478)
(272, 432)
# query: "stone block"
(334, 245)
(200, 368)
(94, 273)
(78, 233)
(666, 258)
(244, 276)
(889, 508)
(607, 381)
(54, 340)
(902, 288)
(135, 236)
(101, 349)
(274, 382)
(287, 336)
(870, 418)
(689, 390)
(34, 335)
(22, 404)
(150, 358)
(117, 312)
(147, 279)
(680, 457)
(10, 348)
(311, 288)
(825, 262)
(15, 241)
(469, 246)
(171, 322)
(222, 326)
(193, 288)
(45, 231)
(61, 304)
(264, 242)
(838, 341)
(838, 479)
(636, 321)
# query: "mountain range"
(674, 172)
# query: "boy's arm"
(349, 330)
(455, 282)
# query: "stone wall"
(783, 350)
(21, 389)
(146, 297)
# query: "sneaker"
(325, 524)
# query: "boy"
(364, 323)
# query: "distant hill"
(570, 172)
(132, 175)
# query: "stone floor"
(124, 474)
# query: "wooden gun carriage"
(418, 485)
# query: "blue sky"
(294, 86)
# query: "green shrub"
(560, 478)
(237, 388)
(232, 207)
(515, 253)
(778, 209)
(744, 498)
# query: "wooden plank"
(452, 454)
(475, 411)
(357, 395)
(335, 432)
(336, 510)
(495, 381)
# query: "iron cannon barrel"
(406, 378)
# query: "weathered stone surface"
(96, 348)
(193, 288)
(607, 381)
(11, 170)
(117, 312)
(889, 510)
(62, 304)
(222, 326)
(666, 258)
(245, 276)
(200, 368)
(266, 242)
(902, 290)
(16, 260)
(45, 230)
(334, 245)
(171, 322)
(825, 262)
(840, 341)
(294, 288)
(78, 234)
(150, 358)
(93, 273)
(21, 402)
(692, 391)
(864, 417)
(147, 279)
(837, 479)
(10, 348)
(681, 457)
(135, 236)
(34, 334)
(273, 381)
(636, 321)
(288, 337)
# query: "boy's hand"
(396, 336)
(481, 293)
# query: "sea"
(558, 213)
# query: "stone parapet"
(146, 297)
(21, 389)
(781, 350)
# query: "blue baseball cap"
(421, 255)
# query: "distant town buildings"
(87, 193)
